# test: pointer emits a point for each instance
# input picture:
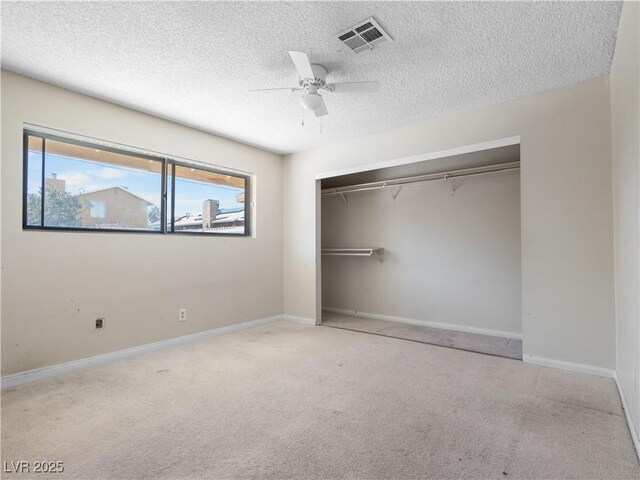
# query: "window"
(98, 209)
(97, 188)
(89, 188)
(207, 202)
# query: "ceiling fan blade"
(321, 111)
(301, 61)
(354, 87)
(293, 89)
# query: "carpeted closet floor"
(472, 342)
(294, 401)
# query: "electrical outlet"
(182, 315)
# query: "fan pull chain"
(321, 125)
(302, 114)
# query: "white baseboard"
(53, 370)
(632, 429)
(572, 367)
(426, 323)
(304, 320)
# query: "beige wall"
(566, 211)
(626, 182)
(55, 284)
(452, 259)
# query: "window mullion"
(163, 197)
(42, 186)
(173, 196)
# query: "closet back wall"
(448, 259)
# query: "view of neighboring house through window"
(97, 188)
(208, 202)
(90, 188)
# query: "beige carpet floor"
(294, 401)
(473, 342)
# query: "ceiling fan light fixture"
(312, 101)
(312, 79)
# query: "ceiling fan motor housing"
(320, 77)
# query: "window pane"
(209, 202)
(98, 209)
(91, 188)
(34, 180)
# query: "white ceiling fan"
(313, 79)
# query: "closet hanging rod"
(353, 252)
(467, 172)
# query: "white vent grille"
(364, 36)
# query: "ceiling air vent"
(364, 36)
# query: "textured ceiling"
(193, 62)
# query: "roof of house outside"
(90, 192)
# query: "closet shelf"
(353, 252)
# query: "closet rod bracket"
(394, 193)
(447, 178)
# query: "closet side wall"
(451, 259)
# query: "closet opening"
(427, 251)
